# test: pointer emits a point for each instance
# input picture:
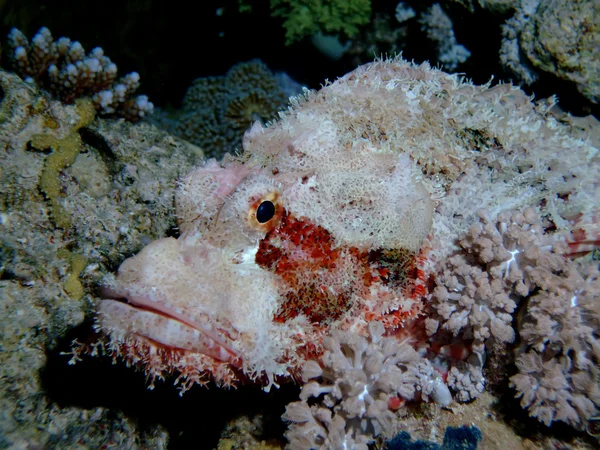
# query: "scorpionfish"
(333, 216)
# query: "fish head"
(300, 234)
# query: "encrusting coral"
(63, 67)
(113, 202)
(65, 151)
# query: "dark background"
(170, 43)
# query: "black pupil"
(265, 211)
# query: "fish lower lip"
(140, 317)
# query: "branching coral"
(307, 17)
(438, 27)
(63, 67)
(479, 288)
(558, 358)
(510, 261)
(358, 379)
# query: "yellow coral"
(65, 152)
(73, 286)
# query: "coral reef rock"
(557, 37)
(111, 202)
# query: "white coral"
(478, 288)
(359, 377)
(505, 262)
(559, 354)
(438, 27)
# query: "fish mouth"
(144, 317)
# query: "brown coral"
(554, 37)
(217, 110)
(63, 67)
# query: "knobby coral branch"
(63, 68)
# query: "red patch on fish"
(321, 278)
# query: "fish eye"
(265, 211)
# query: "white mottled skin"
(368, 158)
